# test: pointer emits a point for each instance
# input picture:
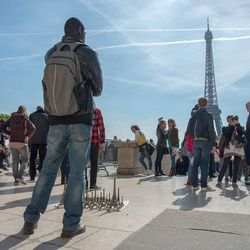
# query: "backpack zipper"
(53, 90)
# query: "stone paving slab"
(189, 230)
(148, 197)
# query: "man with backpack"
(202, 129)
(72, 77)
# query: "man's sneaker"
(218, 185)
(157, 174)
(196, 188)
(28, 227)
(188, 183)
(207, 189)
(234, 185)
(95, 187)
(21, 180)
(71, 233)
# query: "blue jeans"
(202, 150)
(145, 154)
(173, 162)
(17, 155)
(159, 156)
(75, 138)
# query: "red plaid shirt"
(98, 130)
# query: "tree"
(4, 116)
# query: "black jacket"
(40, 120)
(161, 137)
(248, 128)
(202, 126)
(228, 132)
(91, 71)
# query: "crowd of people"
(70, 131)
(227, 155)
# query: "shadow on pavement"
(234, 194)
(192, 200)
(19, 189)
(53, 244)
(24, 202)
(13, 240)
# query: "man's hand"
(213, 150)
(101, 147)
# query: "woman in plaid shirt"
(97, 143)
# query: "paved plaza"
(162, 214)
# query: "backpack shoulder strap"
(72, 46)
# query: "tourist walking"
(97, 145)
(188, 148)
(21, 130)
(141, 142)
(202, 129)
(233, 146)
(173, 144)
(247, 150)
(71, 77)
(161, 146)
(38, 142)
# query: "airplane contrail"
(13, 58)
(127, 45)
(122, 30)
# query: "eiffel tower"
(210, 86)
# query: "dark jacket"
(161, 137)
(91, 72)
(173, 138)
(1, 139)
(19, 127)
(202, 126)
(228, 132)
(248, 128)
(40, 120)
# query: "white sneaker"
(207, 189)
(21, 180)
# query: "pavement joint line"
(216, 231)
(112, 229)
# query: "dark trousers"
(211, 170)
(41, 149)
(226, 163)
(159, 156)
(94, 164)
(247, 153)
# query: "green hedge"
(4, 116)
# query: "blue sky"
(152, 54)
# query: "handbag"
(238, 140)
(165, 151)
(150, 148)
(3, 152)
